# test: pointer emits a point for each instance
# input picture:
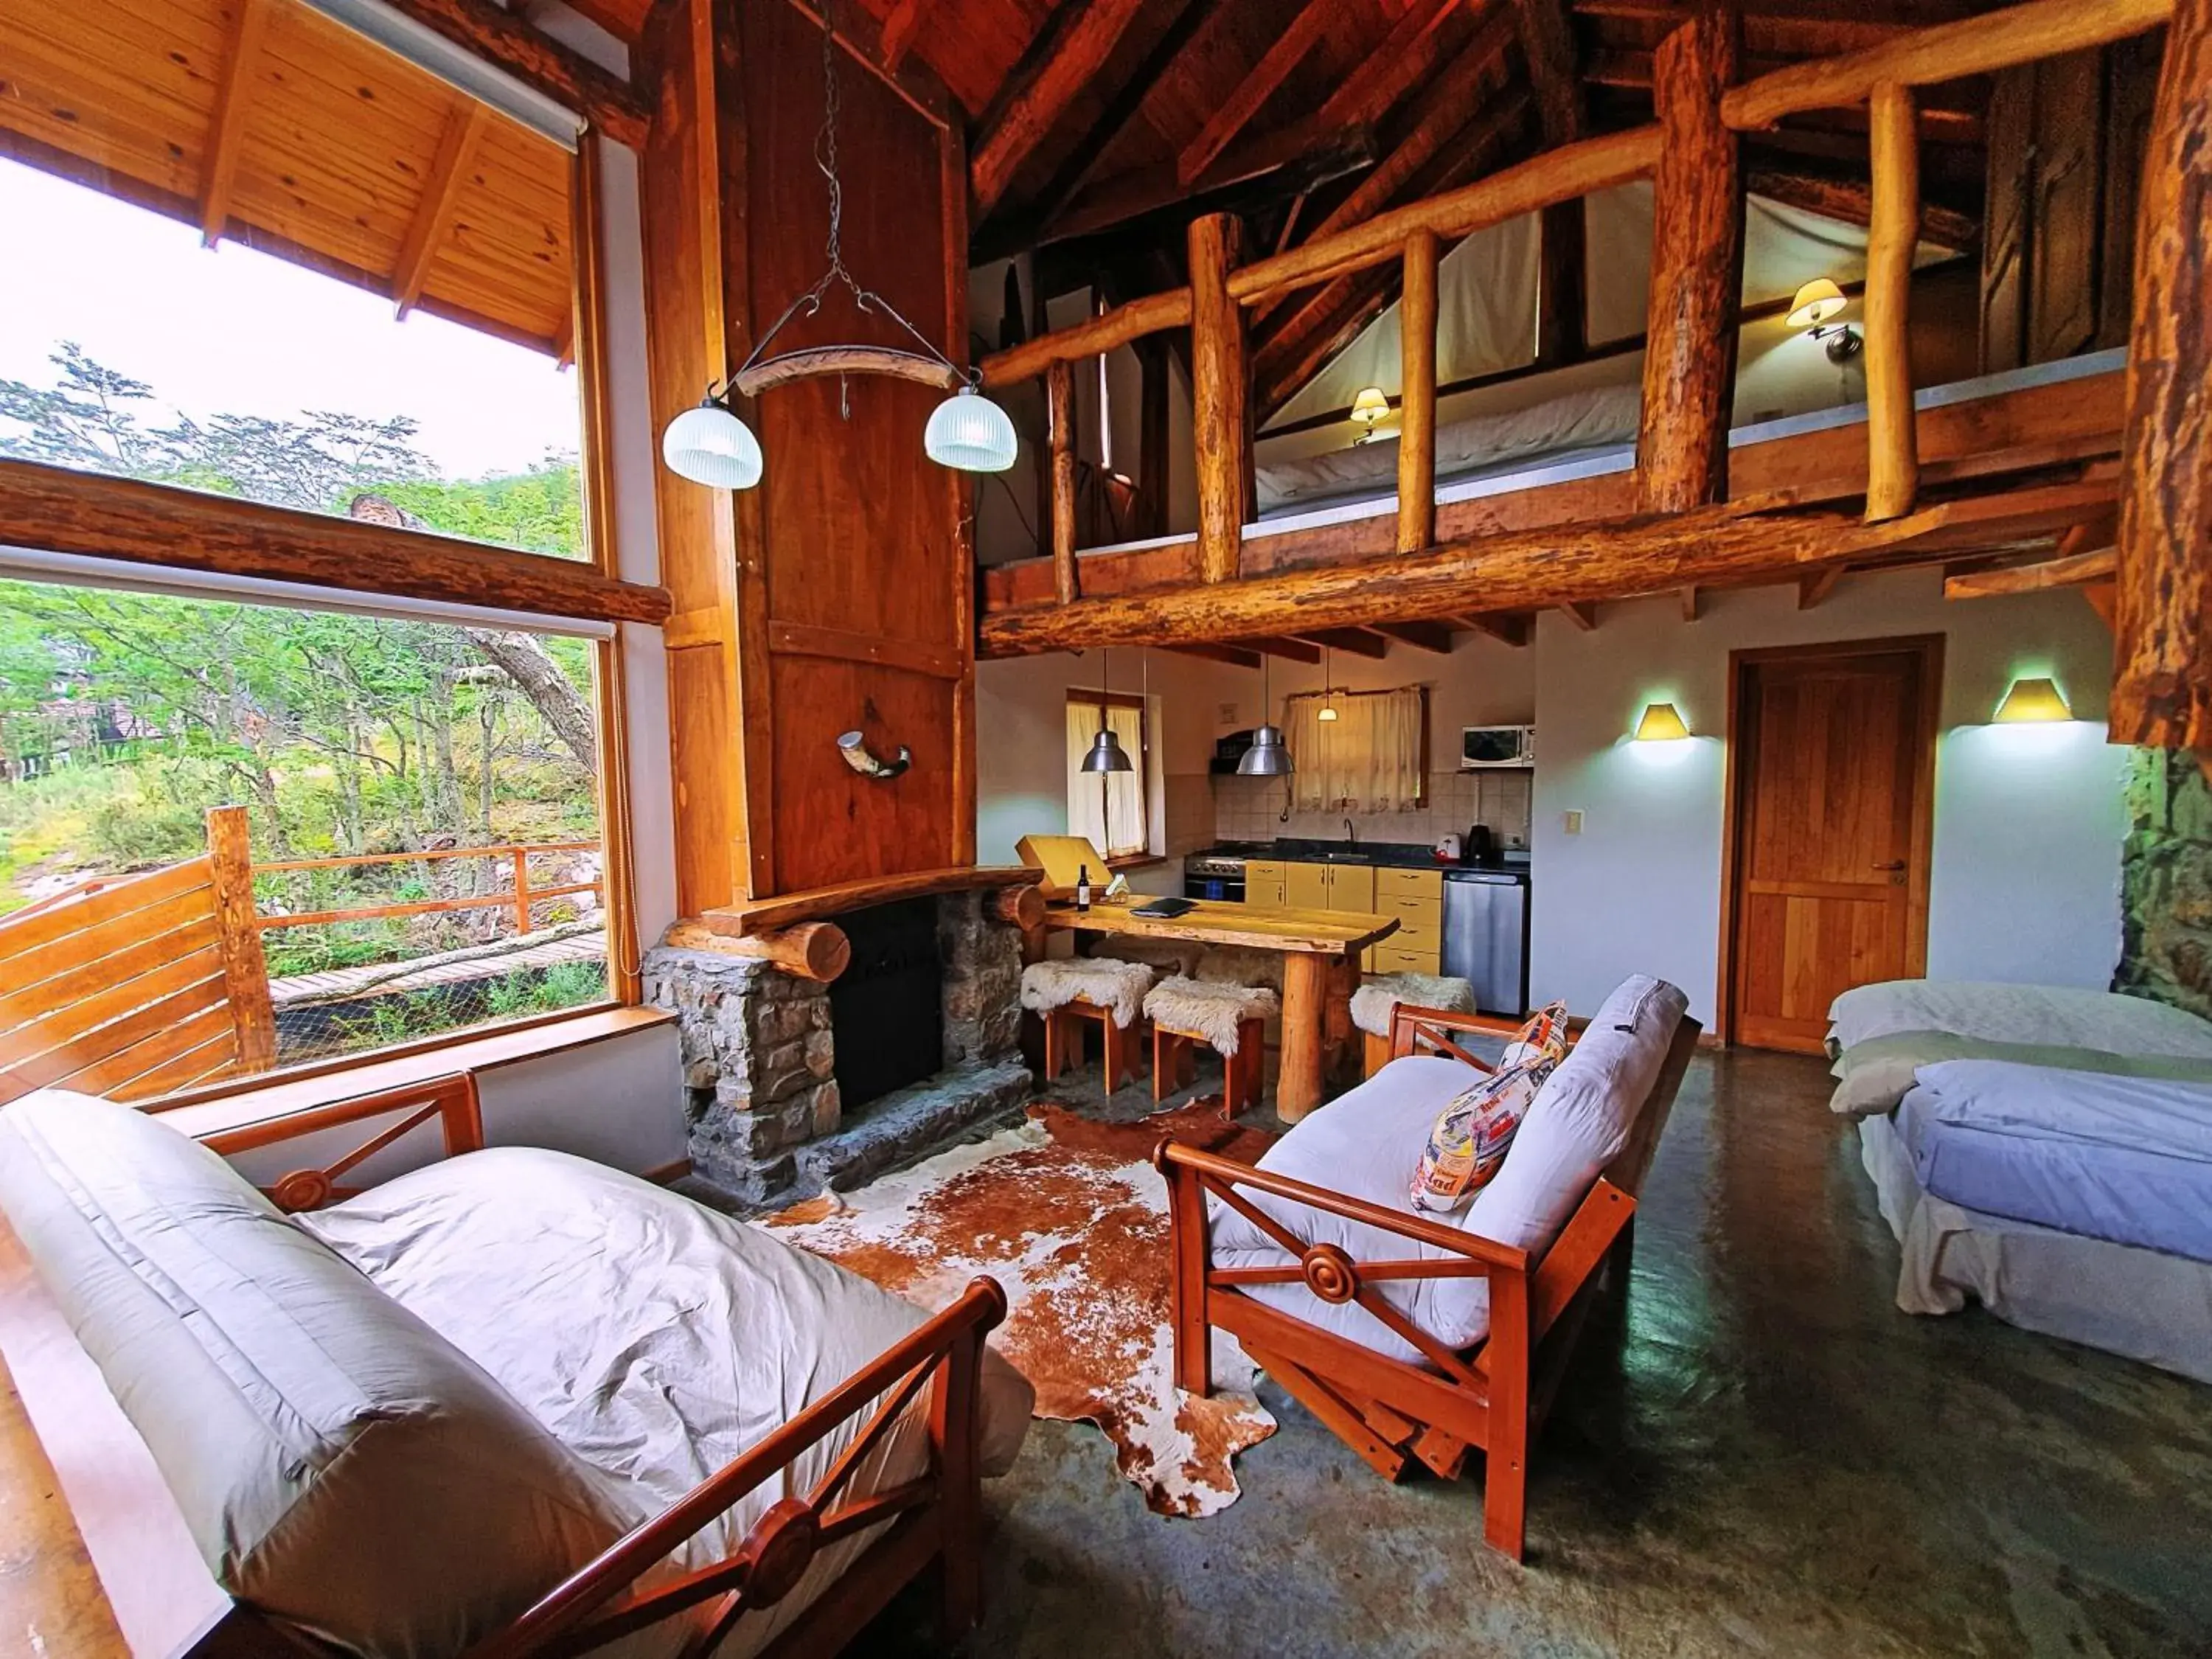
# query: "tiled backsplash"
(1250, 809)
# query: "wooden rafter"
(1352, 641)
(1260, 83)
(903, 23)
(1506, 627)
(433, 209)
(1235, 655)
(1813, 590)
(1066, 55)
(1422, 635)
(227, 131)
(1547, 42)
(2071, 571)
(1850, 201)
(611, 105)
(1582, 613)
(1295, 650)
(1408, 55)
(1945, 121)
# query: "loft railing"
(1690, 153)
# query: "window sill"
(1135, 862)
(242, 1105)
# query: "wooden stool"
(1174, 1064)
(1063, 1040)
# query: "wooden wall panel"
(833, 825)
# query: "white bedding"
(656, 1339)
(2043, 1015)
(1573, 420)
(2162, 1115)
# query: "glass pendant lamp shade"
(970, 432)
(710, 445)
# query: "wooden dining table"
(1321, 970)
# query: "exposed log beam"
(1409, 54)
(1296, 650)
(1782, 35)
(227, 131)
(1547, 42)
(1943, 119)
(2071, 571)
(1417, 396)
(1610, 559)
(1697, 273)
(1562, 285)
(1237, 656)
(1067, 53)
(1353, 642)
(1115, 326)
(1813, 590)
(1261, 82)
(1689, 604)
(1893, 439)
(901, 25)
(434, 208)
(1422, 635)
(1850, 201)
(2163, 640)
(1506, 627)
(1582, 613)
(1221, 383)
(59, 510)
(1060, 444)
(612, 106)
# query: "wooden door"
(1833, 778)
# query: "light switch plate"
(1570, 821)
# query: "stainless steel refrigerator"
(1487, 937)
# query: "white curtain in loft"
(1367, 759)
(1108, 807)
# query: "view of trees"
(123, 716)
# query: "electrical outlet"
(1570, 821)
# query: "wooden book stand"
(1492, 1396)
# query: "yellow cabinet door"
(1263, 883)
(1305, 886)
(1352, 887)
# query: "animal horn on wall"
(855, 748)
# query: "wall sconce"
(2036, 700)
(1660, 724)
(1368, 409)
(1817, 301)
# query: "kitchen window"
(1110, 807)
(1372, 757)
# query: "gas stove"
(1228, 867)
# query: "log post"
(1416, 386)
(1697, 272)
(2163, 643)
(809, 949)
(238, 938)
(1562, 303)
(1023, 906)
(1220, 376)
(1893, 233)
(1059, 430)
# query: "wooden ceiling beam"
(1813, 589)
(1352, 641)
(901, 25)
(1944, 119)
(1548, 43)
(1235, 655)
(1260, 84)
(1582, 613)
(612, 106)
(1850, 201)
(1764, 30)
(1409, 54)
(1068, 52)
(227, 130)
(434, 208)
(1511, 628)
(1690, 603)
(1423, 635)
(2071, 571)
(1295, 650)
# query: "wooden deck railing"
(135, 986)
(1691, 153)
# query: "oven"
(1214, 878)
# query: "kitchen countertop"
(1381, 856)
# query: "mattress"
(2073, 1183)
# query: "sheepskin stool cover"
(1101, 980)
(1378, 999)
(1204, 1008)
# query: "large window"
(412, 805)
(1110, 808)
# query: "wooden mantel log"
(1893, 234)
(1220, 384)
(2163, 638)
(1023, 905)
(1712, 546)
(1697, 272)
(812, 950)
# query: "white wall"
(2025, 875)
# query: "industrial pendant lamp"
(711, 445)
(1106, 754)
(1267, 758)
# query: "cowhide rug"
(1070, 1216)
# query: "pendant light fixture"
(1267, 758)
(1328, 691)
(711, 445)
(1106, 754)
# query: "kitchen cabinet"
(1334, 887)
(1416, 899)
(1265, 883)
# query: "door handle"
(1894, 864)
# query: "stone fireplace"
(768, 1054)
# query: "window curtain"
(1108, 807)
(1367, 759)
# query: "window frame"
(1101, 700)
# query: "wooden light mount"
(816, 361)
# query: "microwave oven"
(1481, 746)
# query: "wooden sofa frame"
(1492, 1396)
(165, 1602)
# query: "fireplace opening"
(886, 1009)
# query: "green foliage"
(541, 511)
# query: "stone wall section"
(2165, 883)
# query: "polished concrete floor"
(1766, 1458)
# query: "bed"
(2043, 1151)
(513, 1402)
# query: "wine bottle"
(1083, 887)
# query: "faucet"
(1352, 833)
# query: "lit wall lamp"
(2037, 699)
(1369, 410)
(1660, 724)
(1817, 303)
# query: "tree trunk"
(539, 679)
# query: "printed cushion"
(1473, 1135)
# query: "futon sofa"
(509, 1402)
(1420, 1338)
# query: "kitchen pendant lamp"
(1106, 754)
(1328, 693)
(1267, 758)
(711, 445)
